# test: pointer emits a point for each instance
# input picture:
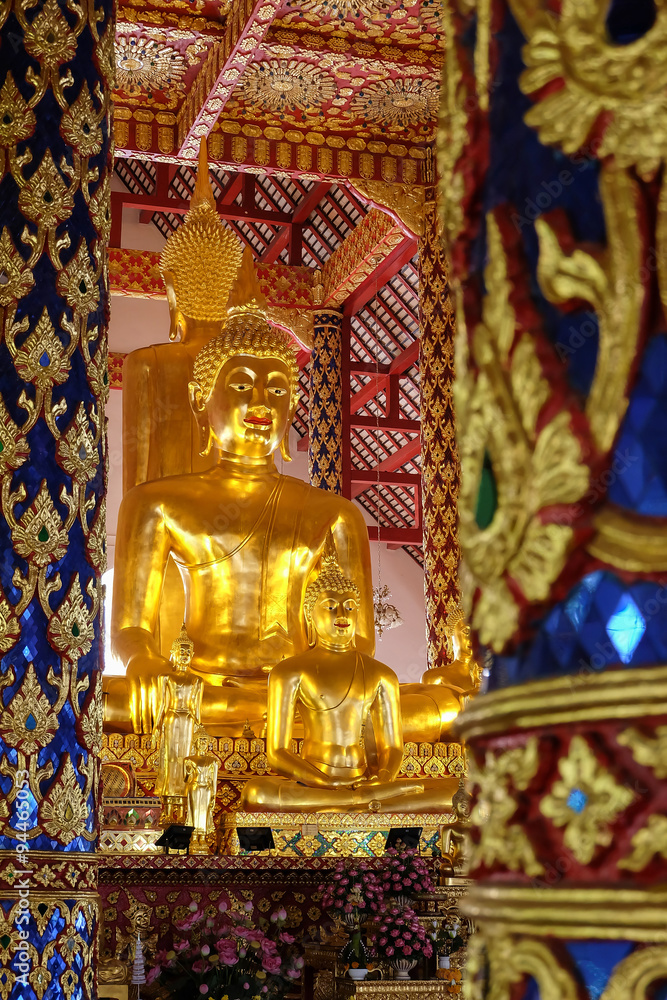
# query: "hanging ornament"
(386, 615)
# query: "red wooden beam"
(394, 461)
(406, 359)
(177, 206)
(401, 536)
(368, 289)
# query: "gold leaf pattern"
(71, 629)
(45, 198)
(64, 810)
(28, 722)
(40, 535)
(13, 446)
(502, 841)
(646, 843)
(16, 278)
(586, 801)
(498, 410)
(42, 359)
(17, 119)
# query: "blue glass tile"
(640, 458)
(626, 627)
(595, 961)
(577, 800)
(532, 991)
(579, 602)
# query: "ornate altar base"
(309, 835)
(131, 814)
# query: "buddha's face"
(183, 656)
(249, 408)
(334, 618)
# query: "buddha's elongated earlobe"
(284, 446)
(198, 406)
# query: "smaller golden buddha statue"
(201, 782)
(462, 674)
(338, 692)
(177, 711)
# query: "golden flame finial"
(201, 258)
(246, 295)
(203, 192)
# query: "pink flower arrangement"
(353, 890)
(227, 954)
(399, 934)
(404, 874)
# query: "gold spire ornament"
(201, 258)
(247, 331)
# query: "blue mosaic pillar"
(325, 417)
(56, 73)
(556, 219)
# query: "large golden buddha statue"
(160, 433)
(245, 538)
(339, 693)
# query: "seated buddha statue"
(339, 691)
(244, 536)
(160, 433)
(462, 674)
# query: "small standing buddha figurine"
(177, 711)
(201, 771)
(339, 692)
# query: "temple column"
(325, 415)
(439, 457)
(56, 73)
(556, 231)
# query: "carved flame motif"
(64, 810)
(28, 722)
(39, 535)
(13, 446)
(71, 629)
(16, 278)
(9, 626)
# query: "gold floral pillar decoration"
(439, 456)
(325, 416)
(56, 74)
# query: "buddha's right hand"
(143, 672)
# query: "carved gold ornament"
(144, 64)
(397, 102)
(531, 469)
(505, 960)
(611, 284)
(586, 801)
(17, 119)
(275, 85)
(501, 841)
(29, 721)
(621, 89)
(648, 750)
(610, 102)
(64, 810)
(648, 841)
